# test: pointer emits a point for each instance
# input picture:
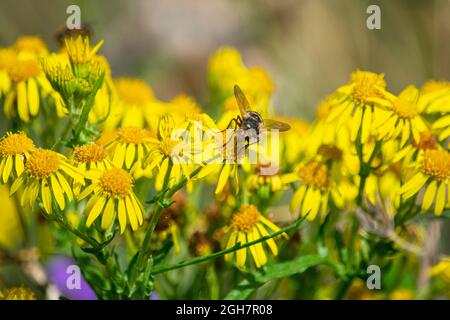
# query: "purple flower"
(63, 272)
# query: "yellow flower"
(410, 152)
(168, 156)
(360, 103)
(248, 225)
(31, 44)
(405, 118)
(7, 60)
(29, 85)
(136, 105)
(79, 49)
(129, 147)
(435, 97)
(442, 269)
(316, 186)
(112, 195)
(44, 177)
(17, 294)
(14, 150)
(434, 172)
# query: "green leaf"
(275, 271)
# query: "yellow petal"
(122, 215)
(366, 125)
(270, 242)
(33, 97)
(252, 249)
(131, 214)
(440, 199)
(130, 155)
(119, 155)
(46, 196)
(428, 197)
(65, 185)
(231, 242)
(108, 214)
(95, 211)
(57, 191)
(160, 178)
(356, 123)
(22, 104)
(262, 258)
(297, 198)
(7, 168)
(19, 164)
(223, 178)
(241, 254)
(413, 185)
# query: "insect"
(249, 119)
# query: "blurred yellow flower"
(31, 44)
(248, 225)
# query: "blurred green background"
(309, 47)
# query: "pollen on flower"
(366, 85)
(436, 163)
(24, 70)
(314, 173)
(42, 163)
(90, 152)
(116, 182)
(405, 109)
(134, 91)
(15, 143)
(246, 218)
(133, 135)
(330, 152)
(427, 141)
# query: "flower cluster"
(131, 176)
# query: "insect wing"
(242, 101)
(273, 124)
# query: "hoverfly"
(249, 124)
(249, 119)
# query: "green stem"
(214, 255)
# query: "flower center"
(405, 109)
(15, 143)
(314, 173)
(90, 152)
(133, 135)
(116, 182)
(436, 163)
(24, 70)
(246, 218)
(42, 163)
(367, 85)
(330, 152)
(427, 141)
(134, 91)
